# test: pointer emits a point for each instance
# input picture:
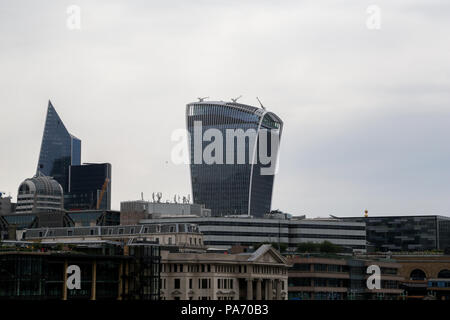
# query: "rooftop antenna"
(260, 103)
(236, 99)
(201, 99)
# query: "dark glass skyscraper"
(231, 187)
(59, 149)
(89, 183)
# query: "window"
(176, 283)
(190, 283)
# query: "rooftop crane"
(102, 193)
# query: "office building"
(6, 206)
(225, 232)
(341, 278)
(89, 187)
(406, 233)
(131, 212)
(235, 182)
(108, 271)
(40, 194)
(260, 275)
(59, 149)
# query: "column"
(278, 288)
(249, 289)
(127, 268)
(94, 281)
(64, 297)
(119, 291)
(258, 289)
(269, 290)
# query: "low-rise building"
(341, 278)
(260, 275)
(406, 233)
(131, 212)
(225, 232)
(425, 276)
(176, 235)
(6, 206)
(106, 271)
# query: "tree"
(328, 247)
(308, 247)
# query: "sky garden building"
(238, 181)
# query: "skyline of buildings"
(56, 136)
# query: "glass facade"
(407, 233)
(238, 187)
(59, 149)
(85, 187)
(40, 275)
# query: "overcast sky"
(366, 111)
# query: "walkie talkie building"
(59, 149)
(231, 132)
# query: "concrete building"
(131, 212)
(225, 232)
(40, 194)
(6, 206)
(320, 277)
(425, 276)
(261, 275)
(178, 236)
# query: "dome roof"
(43, 185)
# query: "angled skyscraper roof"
(59, 149)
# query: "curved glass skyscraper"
(59, 149)
(227, 140)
